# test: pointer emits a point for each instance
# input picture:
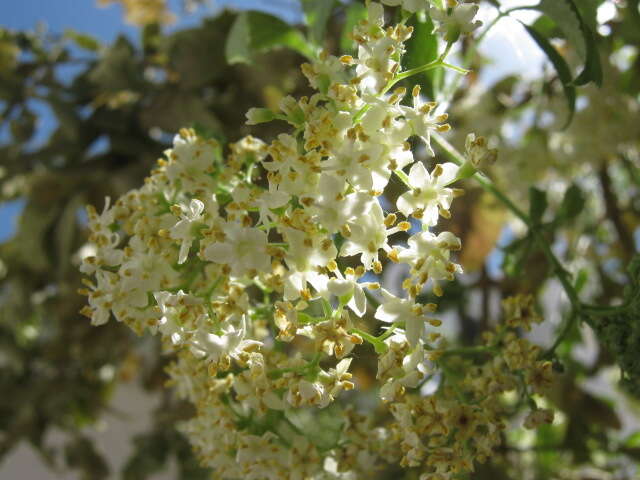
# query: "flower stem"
(378, 345)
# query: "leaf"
(592, 68)
(567, 16)
(537, 204)
(589, 12)
(82, 40)
(572, 204)
(118, 69)
(422, 48)
(564, 14)
(355, 12)
(237, 48)
(581, 279)
(193, 54)
(561, 67)
(316, 14)
(257, 32)
(633, 440)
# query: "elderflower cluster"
(258, 267)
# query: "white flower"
(456, 21)
(368, 234)
(295, 284)
(394, 309)
(429, 196)
(103, 238)
(428, 255)
(349, 286)
(183, 231)
(477, 152)
(399, 367)
(423, 120)
(305, 392)
(307, 251)
(244, 249)
(379, 50)
(190, 159)
(216, 347)
(332, 208)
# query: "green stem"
(388, 333)
(378, 345)
(566, 329)
(438, 62)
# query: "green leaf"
(572, 204)
(238, 47)
(422, 48)
(561, 67)
(581, 279)
(82, 40)
(316, 15)
(567, 16)
(257, 32)
(592, 69)
(633, 440)
(118, 68)
(354, 13)
(537, 204)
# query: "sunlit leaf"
(257, 32)
(83, 40)
(580, 36)
(422, 48)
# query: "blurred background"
(91, 94)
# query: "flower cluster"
(260, 269)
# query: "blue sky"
(81, 15)
(105, 23)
